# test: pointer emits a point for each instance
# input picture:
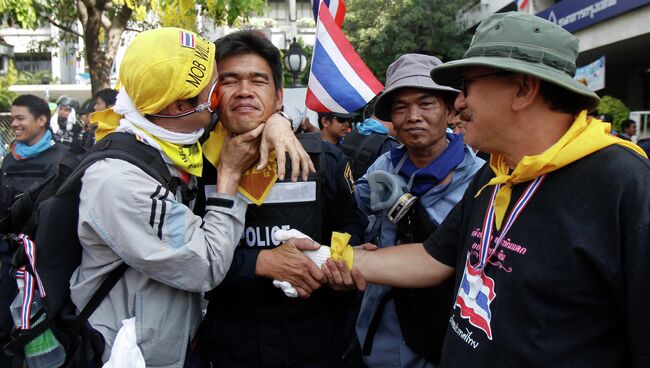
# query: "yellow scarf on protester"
(583, 138)
(254, 184)
(187, 157)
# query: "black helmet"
(68, 102)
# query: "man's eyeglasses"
(464, 81)
(211, 104)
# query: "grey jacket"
(174, 256)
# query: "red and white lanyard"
(488, 223)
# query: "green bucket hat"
(521, 43)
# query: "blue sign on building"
(574, 15)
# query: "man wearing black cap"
(334, 126)
(548, 247)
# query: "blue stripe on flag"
(482, 301)
(335, 83)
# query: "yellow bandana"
(340, 249)
(187, 157)
(584, 137)
(254, 184)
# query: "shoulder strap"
(127, 147)
(363, 148)
(99, 295)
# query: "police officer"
(249, 322)
(334, 126)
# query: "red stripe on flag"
(340, 14)
(475, 319)
(347, 50)
(314, 103)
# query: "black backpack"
(363, 150)
(53, 227)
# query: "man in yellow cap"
(549, 245)
(169, 92)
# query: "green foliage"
(383, 30)
(6, 96)
(103, 22)
(37, 77)
(616, 107)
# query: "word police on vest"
(318, 256)
(263, 236)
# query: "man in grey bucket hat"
(436, 168)
(549, 246)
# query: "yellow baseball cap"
(164, 65)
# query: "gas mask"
(390, 192)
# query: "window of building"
(33, 62)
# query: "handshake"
(331, 264)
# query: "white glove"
(317, 256)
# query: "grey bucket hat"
(409, 70)
(525, 44)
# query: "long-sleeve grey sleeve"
(144, 225)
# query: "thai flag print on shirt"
(475, 294)
(477, 290)
(187, 39)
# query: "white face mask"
(124, 106)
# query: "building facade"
(616, 29)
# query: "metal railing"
(6, 134)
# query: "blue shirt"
(389, 349)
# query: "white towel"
(317, 256)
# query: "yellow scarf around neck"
(584, 137)
(254, 184)
(187, 157)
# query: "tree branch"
(62, 27)
(83, 12)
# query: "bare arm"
(278, 136)
(407, 266)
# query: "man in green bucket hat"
(549, 245)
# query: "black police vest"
(289, 205)
(362, 150)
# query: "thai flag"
(339, 81)
(475, 294)
(336, 8)
(187, 39)
(521, 4)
